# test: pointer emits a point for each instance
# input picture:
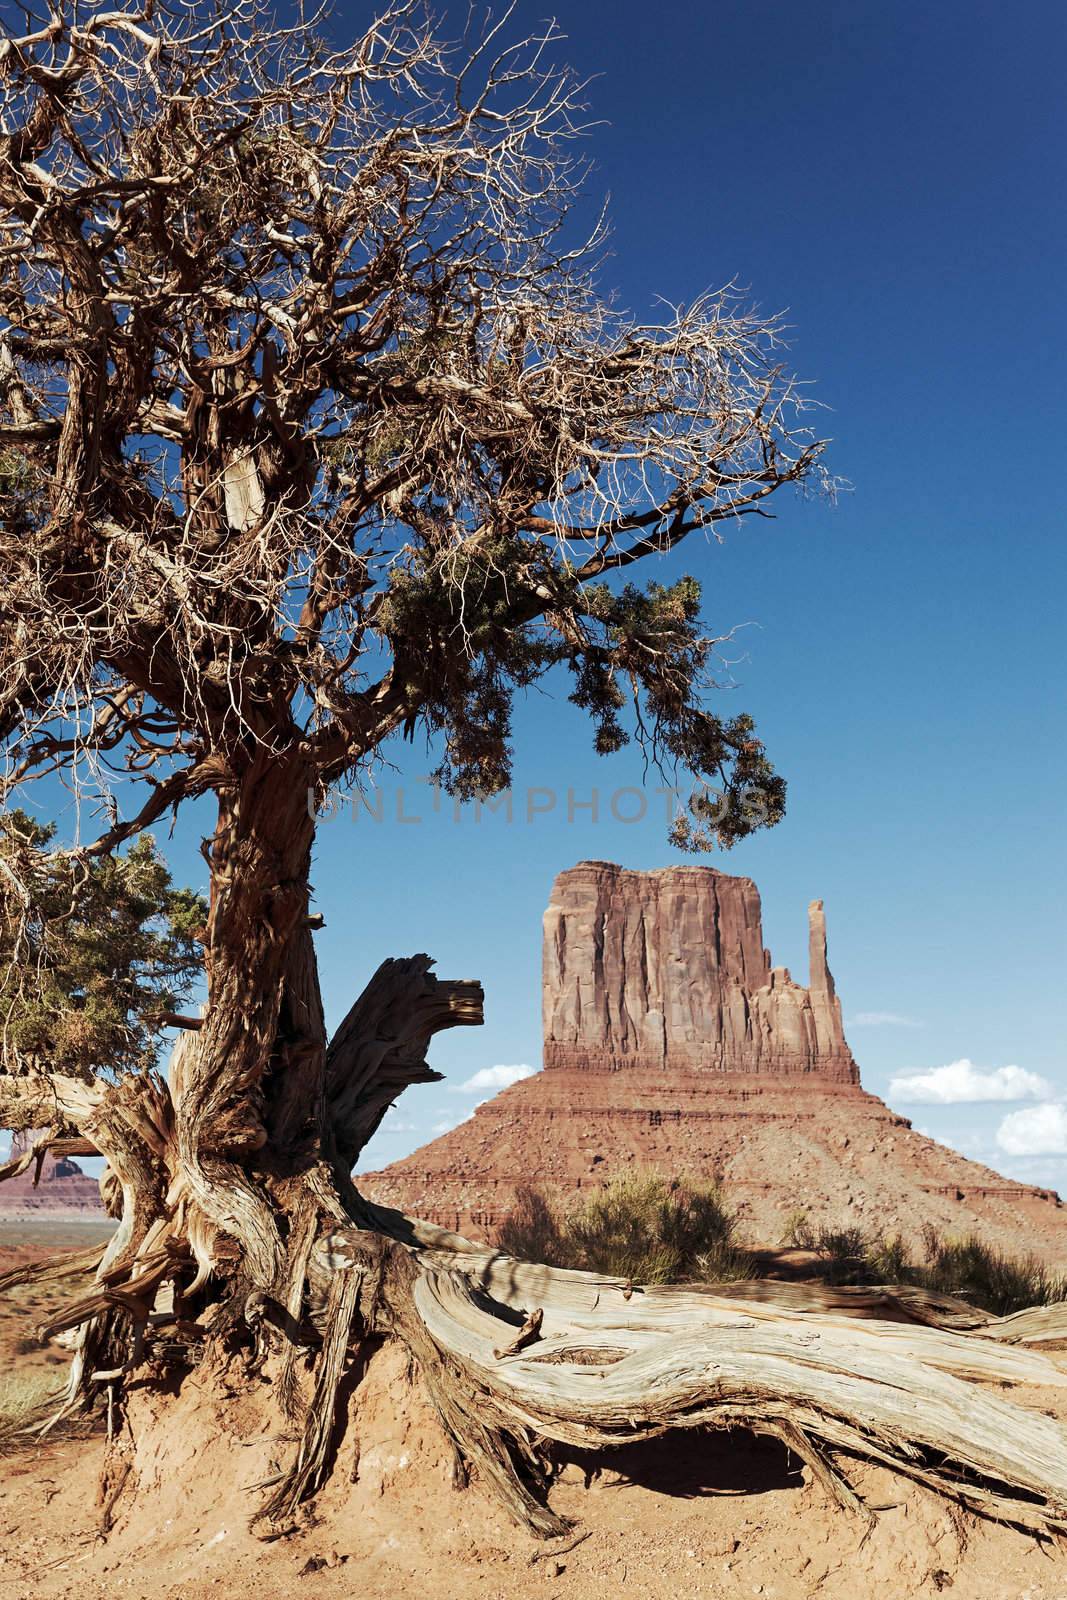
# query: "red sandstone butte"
(672, 1041)
(667, 971)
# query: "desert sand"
(716, 1514)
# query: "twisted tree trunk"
(223, 1177)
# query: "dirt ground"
(24, 1239)
(708, 1514)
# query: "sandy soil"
(721, 1515)
(713, 1515)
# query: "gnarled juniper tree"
(314, 429)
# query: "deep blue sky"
(892, 176)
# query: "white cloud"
(493, 1078)
(880, 1019)
(1036, 1131)
(962, 1083)
(391, 1123)
(446, 1124)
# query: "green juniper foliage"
(638, 651)
(92, 952)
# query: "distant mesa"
(671, 1040)
(63, 1186)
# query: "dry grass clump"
(26, 1400)
(965, 1267)
(641, 1226)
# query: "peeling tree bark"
(263, 1016)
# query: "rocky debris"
(779, 1146)
(668, 969)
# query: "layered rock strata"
(63, 1186)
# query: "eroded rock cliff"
(668, 969)
(62, 1186)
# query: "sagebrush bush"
(641, 1226)
(966, 1268)
(652, 1229)
(840, 1249)
(531, 1231)
(798, 1232)
(888, 1259)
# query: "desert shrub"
(841, 1244)
(532, 1230)
(887, 1259)
(652, 1229)
(25, 1400)
(965, 1267)
(798, 1232)
(723, 1262)
(987, 1277)
(641, 1226)
(838, 1246)
(842, 1250)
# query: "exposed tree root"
(894, 1393)
(515, 1356)
(68, 1264)
(308, 1470)
(511, 1458)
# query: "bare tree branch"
(305, 389)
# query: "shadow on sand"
(689, 1465)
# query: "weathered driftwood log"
(514, 1355)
